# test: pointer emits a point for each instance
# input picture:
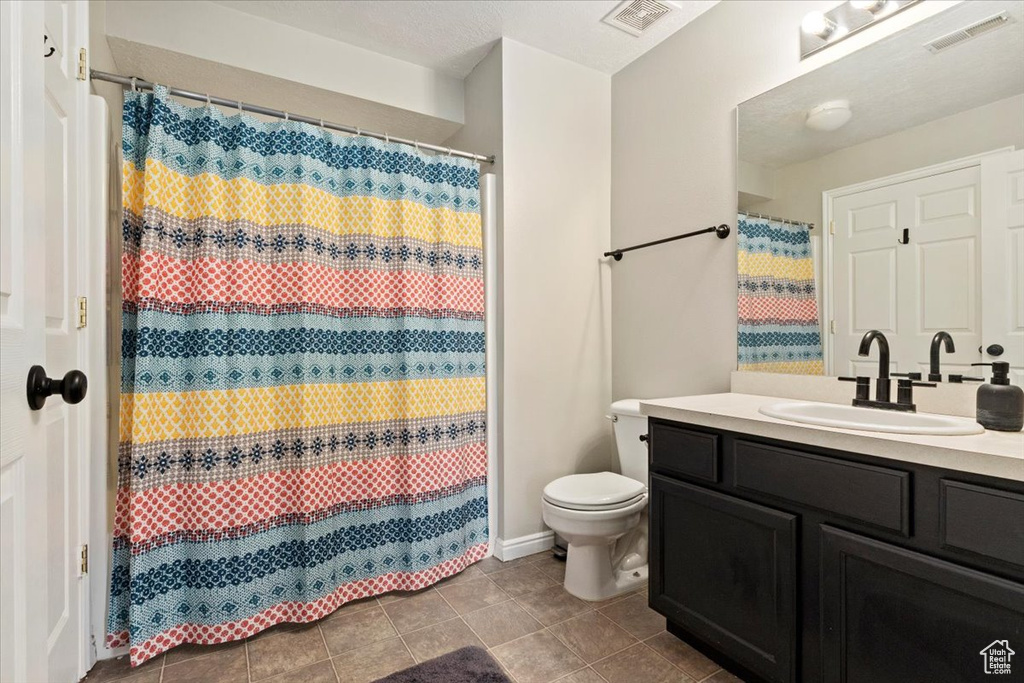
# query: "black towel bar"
(721, 230)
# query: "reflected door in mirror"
(908, 291)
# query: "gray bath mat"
(468, 665)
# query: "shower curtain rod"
(748, 214)
(140, 84)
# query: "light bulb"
(817, 24)
(868, 5)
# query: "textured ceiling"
(452, 36)
(891, 85)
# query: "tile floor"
(518, 610)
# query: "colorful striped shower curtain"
(777, 306)
(302, 401)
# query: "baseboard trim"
(514, 548)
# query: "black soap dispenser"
(1000, 404)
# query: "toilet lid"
(589, 491)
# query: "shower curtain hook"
(449, 152)
(387, 138)
(135, 87)
(321, 122)
(416, 144)
(207, 99)
(286, 117)
(240, 110)
(359, 131)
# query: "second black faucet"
(934, 375)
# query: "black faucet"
(933, 357)
(882, 383)
(904, 395)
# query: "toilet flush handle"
(643, 437)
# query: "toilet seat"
(592, 516)
(599, 491)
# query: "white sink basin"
(870, 419)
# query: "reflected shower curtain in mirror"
(777, 305)
(302, 399)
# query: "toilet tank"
(629, 425)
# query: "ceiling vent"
(963, 35)
(636, 16)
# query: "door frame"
(827, 243)
(94, 268)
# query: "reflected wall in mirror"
(898, 176)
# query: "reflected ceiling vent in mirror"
(967, 32)
(819, 30)
(829, 116)
(636, 16)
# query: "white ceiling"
(891, 85)
(452, 36)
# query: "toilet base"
(590, 574)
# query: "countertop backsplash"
(944, 399)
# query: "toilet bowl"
(603, 516)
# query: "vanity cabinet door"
(724, 570)
(891, 614)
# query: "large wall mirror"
(886, 191)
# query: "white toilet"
(603, 516)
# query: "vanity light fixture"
(829, 116)
(818, 30)
(817, 24)
(872, 6)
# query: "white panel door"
(23, 629)
(42, 472)
(943, 263)
(1002, 259)
(909, 291)
(865, 287)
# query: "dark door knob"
(994, 350)
(71, 387)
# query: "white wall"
(548, 121)
(674, 170)
(557, 342)
(216, 33)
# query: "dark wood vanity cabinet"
(888, 613)
(739, 592)
(795, 563)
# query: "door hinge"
(82, 65)
(85, 559)
(831, 227)
(832, 326)
(83, 311)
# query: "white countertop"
(995, 454)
